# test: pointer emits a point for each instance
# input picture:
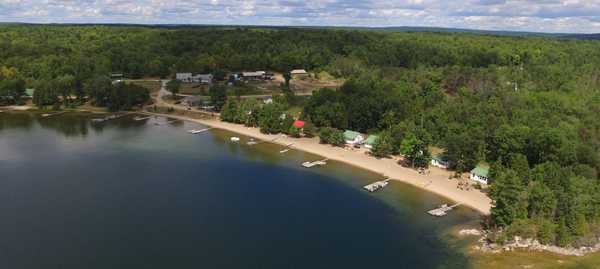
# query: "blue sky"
(581, 16)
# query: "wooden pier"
(46, 115)
(111, 117)
(141, 118)
(198, 131)
(287, 148)
(315, 163)
(375, 186)
(442, 210)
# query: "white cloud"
(519, 15)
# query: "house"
(370, 142)
(258, 75)
(29, 93)
(191, 101)
(203, 78)
(440, 161)
(199, 78)
(269, 76)
(298, 73)
(116, 76)
(480, 174)
(353, 138)
(184, 77)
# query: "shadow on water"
(68, 124)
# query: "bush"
(331, 136)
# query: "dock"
(52, 114)
(287, 148)
(442, 210)
(141, 118)
(107, 118)
(198, 131)
(315, 163)
(375, 186)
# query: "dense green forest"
(528, 106)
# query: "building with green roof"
(371, 140)
(481, 173)
(353, 138)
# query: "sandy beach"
(436, 181)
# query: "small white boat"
(252, 142)
(284, 151)
(194, 131)
(235, 139)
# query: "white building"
(199, 78)
(439, 161)
(480, 174)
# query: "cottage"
(258, 75)
(298, 73)
(480, 174)
(440, 161)
(353, 138)
(371, 140)
(116, 76)
(192, 101)
(29, 93)
(203, 78)
(184, 77)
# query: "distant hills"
(407, 29)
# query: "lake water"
(146, 194)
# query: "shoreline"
(436, 182)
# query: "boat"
(252, 142)
(235, 139)
(284, 151)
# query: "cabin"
(199, 78)
(440, 161)
(258, 75)
(184, 77)
(203, 78)
(28, 93)
(353, 138)
(192, 101)
(116, 76)
(298, 73)
(371, 140)
(480, 174)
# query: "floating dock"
(52, 114)
(315, 163)
(375, 186)
(442, 210)
(198, 131)
(111, 117)
(287, 148)
(141, 118)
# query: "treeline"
(101, 91)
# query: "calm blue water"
(132, 194)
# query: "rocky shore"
(518, 243)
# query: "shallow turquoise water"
(133, 194)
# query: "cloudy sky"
(582, 16)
